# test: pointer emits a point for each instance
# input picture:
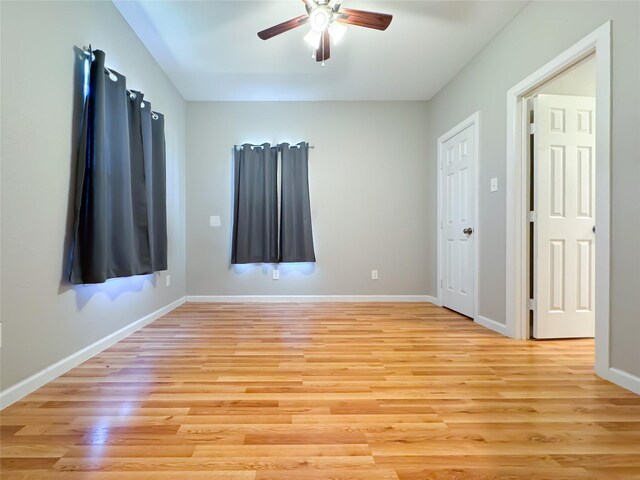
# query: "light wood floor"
(325, 391)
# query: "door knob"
(467, 231)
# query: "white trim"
(517, 316)
(622, 378)
(473, 120)
(433, 300)
(307, 298)
(44, 376)
(492, 325)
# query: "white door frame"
(473, 120)
(517, 294)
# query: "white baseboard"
(620, 377)
(25, 387)
(305, 298)
(434, 300)
(492, 325)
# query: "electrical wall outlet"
(494, 184)
(374, 274)
(214, 221)
(275, 274)
(168, 280)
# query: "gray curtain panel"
(158, 198)
(117, 201)
(136, 213)
(255, 225)
(296, 236)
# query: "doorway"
(519, 281)
(562, 180)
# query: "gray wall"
(579, 79)
(44, 320)
(368, 173)
(540, 32)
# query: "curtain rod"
(252, 145)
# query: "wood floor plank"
(149, 475)
(495, 472)
(331, 391)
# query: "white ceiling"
(210, 50)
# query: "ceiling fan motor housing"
(320, 18)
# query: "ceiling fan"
(328, 20)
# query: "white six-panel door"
(458, 194)
(564, 200)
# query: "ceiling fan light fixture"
(320, 18)
(337, 31)
(313, 38)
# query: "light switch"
(275, 274)
(494, 184)
(214, 221)
(168, 280)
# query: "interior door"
(458, 193)
(564, 230)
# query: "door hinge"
(533, 217)
(532, 304)
(532, 128)
(441, 225)
(441, 283)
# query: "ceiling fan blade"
(283, 27)
(379, 21)
(324, 49)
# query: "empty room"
(319, 239)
